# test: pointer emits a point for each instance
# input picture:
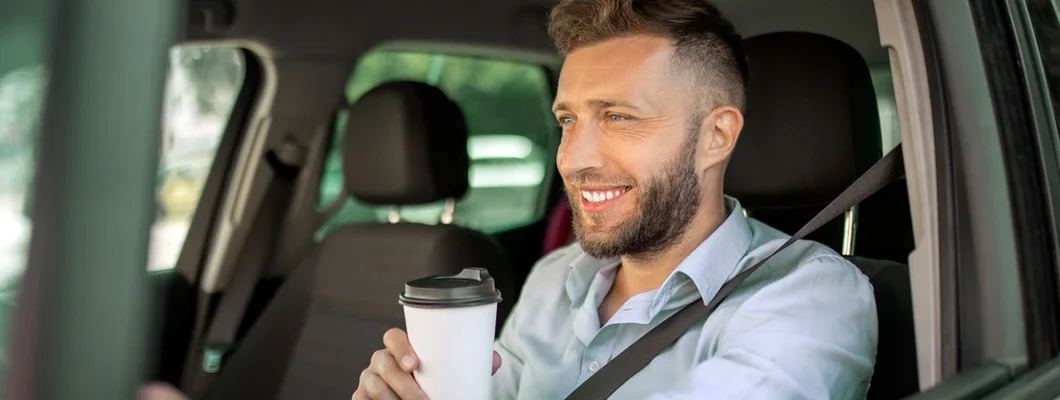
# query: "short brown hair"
(705, 42)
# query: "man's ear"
(720, 130)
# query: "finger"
(397, 342)
(496, 362)
(360, 394)
(401, 382)
(160, 391)
(375, 388)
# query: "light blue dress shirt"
(801, 327)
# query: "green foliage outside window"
(512, 137)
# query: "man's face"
(628, 153)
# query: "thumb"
(496, 362)
(159, 391)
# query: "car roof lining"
(326, 28)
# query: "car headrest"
(811, 126)
(405, 143)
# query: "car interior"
(357, 149)
(813, 126)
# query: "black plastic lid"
(471, 287)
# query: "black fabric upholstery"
(329, 317)
(405, 143)
(895, 376)
(326, 320)
(812, 127)
(885, 225)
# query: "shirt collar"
(708, 266)
(714, 260)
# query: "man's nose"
(580, 151)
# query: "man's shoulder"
(806, 265)
(819, 291)
(800, 254)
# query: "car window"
(512, 138)
(23, 45)
(1044, 18)
(201, 89)
(21, 97)
(200, 92)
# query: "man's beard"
(665, 207)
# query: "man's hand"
(159, 391)
(389, 377)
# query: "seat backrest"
(885, 225)
(405, 143)
(895, 376)
(812, 127)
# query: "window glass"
(200, 91)
(1045, 22)
(23, 44)
(512, 138)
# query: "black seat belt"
(608, 379)
(256, 255)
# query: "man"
(650, 101)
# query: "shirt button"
(594, 366)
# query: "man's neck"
(640, 274)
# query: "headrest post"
(394, 215)
(447, 212)
(849, 223)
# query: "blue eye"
(616, 118)
(565, 120)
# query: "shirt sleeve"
(506, 380)
(809, 335)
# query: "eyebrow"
(598, 103)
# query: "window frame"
(986, 66)
(202, 222)
(1044, 92)
(1031, 179)
(175, 278)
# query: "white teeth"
(598, 196)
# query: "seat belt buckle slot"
(213, 356)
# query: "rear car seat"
(811, 123)
(560, 229)
(405, 143)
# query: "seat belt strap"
(257, 252)
(608, 379)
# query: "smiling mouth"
(596, 200)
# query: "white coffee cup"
(450, 322)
